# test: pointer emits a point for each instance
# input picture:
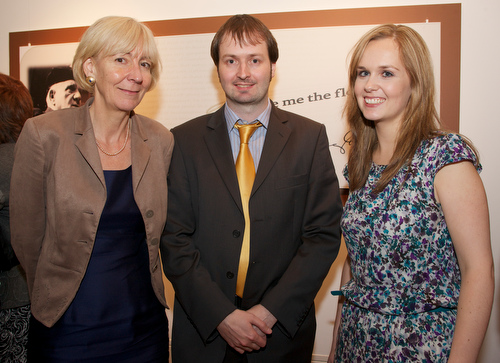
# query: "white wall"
(480, 80)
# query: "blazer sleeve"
(292, 298)
(27, 199)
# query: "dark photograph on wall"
(54, 88)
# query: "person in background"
(88, 206)
(62, 90)
(418, 283)
(241, 299)
(16, 107)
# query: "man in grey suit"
(264, 311)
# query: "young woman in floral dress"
(418, 282)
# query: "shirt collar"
(232, 118)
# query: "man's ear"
(49, 99)
(273, 69)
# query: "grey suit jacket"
(295, 210)
(57, 196)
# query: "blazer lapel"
(217, 141)
(276, 138)
(86, 142)
(140, 152)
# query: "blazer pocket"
(292, 181)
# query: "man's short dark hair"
(59, 74)
(245, 29)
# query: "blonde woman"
(89, 202)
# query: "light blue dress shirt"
(256, 142)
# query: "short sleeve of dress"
(345, 172)
(448, 149)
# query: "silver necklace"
(121, 149)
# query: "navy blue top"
(115, 316)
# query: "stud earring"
(90, 80)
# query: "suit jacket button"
(229, 275)
(236, 233)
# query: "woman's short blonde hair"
(112, 35)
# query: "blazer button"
(229, 275)
(150, 213)
(236, 233)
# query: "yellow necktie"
(245, 170)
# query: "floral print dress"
(401, 303)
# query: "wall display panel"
(311, 77)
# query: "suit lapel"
(276, 139)
(140, 152)
(86, 142)
(217, 141)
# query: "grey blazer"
(295, 210)
(57, 196)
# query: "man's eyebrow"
(71, 87)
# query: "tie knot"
(246, 131)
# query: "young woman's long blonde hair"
(420, 119)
